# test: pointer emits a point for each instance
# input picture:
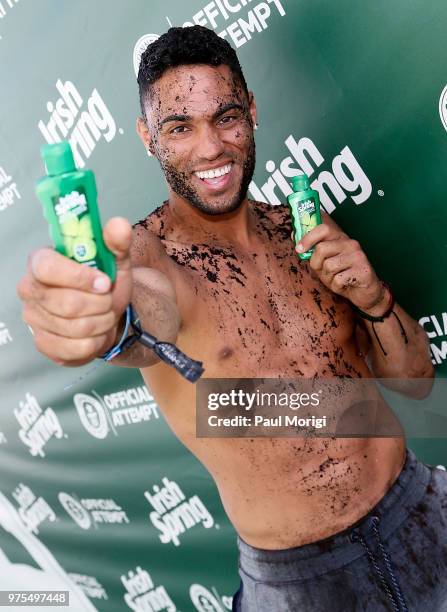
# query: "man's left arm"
(399, 351)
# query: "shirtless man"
(217, 274)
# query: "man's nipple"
(225, 352)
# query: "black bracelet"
(386, 314)
(380, 319)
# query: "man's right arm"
(74, 321)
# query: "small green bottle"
(304, 206)
(69, 200)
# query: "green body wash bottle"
(304, 206)
(69, 200)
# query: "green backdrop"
(354, 94)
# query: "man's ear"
(252, 108)
(143, 133)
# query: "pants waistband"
(317, 558)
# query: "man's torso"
(258, 312)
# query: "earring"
(256, 126)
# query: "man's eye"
(178, 130)
(228, 119)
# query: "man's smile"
(217, 178)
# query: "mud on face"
(200, 116)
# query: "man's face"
(200, 123)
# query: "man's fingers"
(81, 327)
(66, 303)
(330, 248)
(343, 264)
(55, 270)
(72, 351)
(336, 264)
(71, 304)
(323, 231)
(72, 318)
(118, 238)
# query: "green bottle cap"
(58, 158)
(300, 182)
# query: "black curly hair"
(180, 46)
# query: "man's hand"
(74, 310)
(341, 265)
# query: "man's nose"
(209, 145)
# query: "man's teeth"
(207, 174)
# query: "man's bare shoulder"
(147, 247)
(273, 217)
(273, 211)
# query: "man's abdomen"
(293, 492)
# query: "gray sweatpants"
(394, 558)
